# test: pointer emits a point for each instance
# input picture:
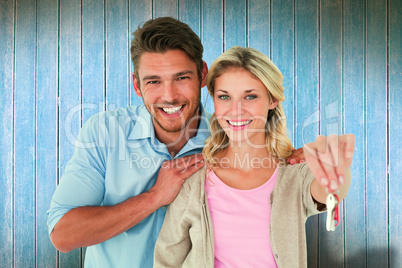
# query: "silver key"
(331, 203)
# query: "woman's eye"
(251, 97)
(224, 97)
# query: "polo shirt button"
(276, 256)
(163, 207)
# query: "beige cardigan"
(186, 238)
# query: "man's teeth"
(239, 123)
(172, 110)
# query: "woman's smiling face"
(241, 105)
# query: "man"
(130, 163)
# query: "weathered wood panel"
(117, 55)
(307, 112)
(140, 11)
(376, 131)
(395, 132)
(63, 61)
(331, 244)
(46, 125)
(282, 53)
(93, 58)
(24, 135)
(70, 117)
(354, 101)
(211, 37)
(7, 48)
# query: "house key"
(332, 211)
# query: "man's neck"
(175, 141)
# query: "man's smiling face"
(170, 88)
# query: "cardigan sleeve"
(312, 206)
(173, 243)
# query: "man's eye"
(183, 77)
(251, 97)
(152, 82)
(224, 97)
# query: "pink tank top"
(240, 220)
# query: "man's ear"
(273, 104)
(204, 73)
(136, 86)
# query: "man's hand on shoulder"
(296, 157)
(172, 175)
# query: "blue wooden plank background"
(63, 61)
(395, 130)
(7, 55)
(330, 83)
(24, 180)
(47, 135)
(307, 94)
(69, 93)
(354, 116)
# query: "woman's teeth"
(172, 110)
(239, 123)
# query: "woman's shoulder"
(289, 172)
(196, 180)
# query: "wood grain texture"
(259, 25)
(70, 117)
(283, 53)
(376, 131)
(354, 122)
(117, 56)
(63, 61)
(7, 46)
(331, 244)
(93, 58)
(140, 11)
(46, 125)
(24, 135)
(165, 8)
(234, 23)
(307, 96)
(394, 134)
(212, 38)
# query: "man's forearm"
(86, 226)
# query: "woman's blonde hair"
(261, 67)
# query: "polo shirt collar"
(143, 127)
(203, 131)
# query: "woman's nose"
(236, 108)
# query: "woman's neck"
(244, 157)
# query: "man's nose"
(170, 92)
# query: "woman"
(247, 207)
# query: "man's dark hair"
(163, 34)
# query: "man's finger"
(184, 162)
(297, 152)
(296, 156)
(190, 170)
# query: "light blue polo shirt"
(117, 156)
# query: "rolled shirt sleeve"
(83, 182)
